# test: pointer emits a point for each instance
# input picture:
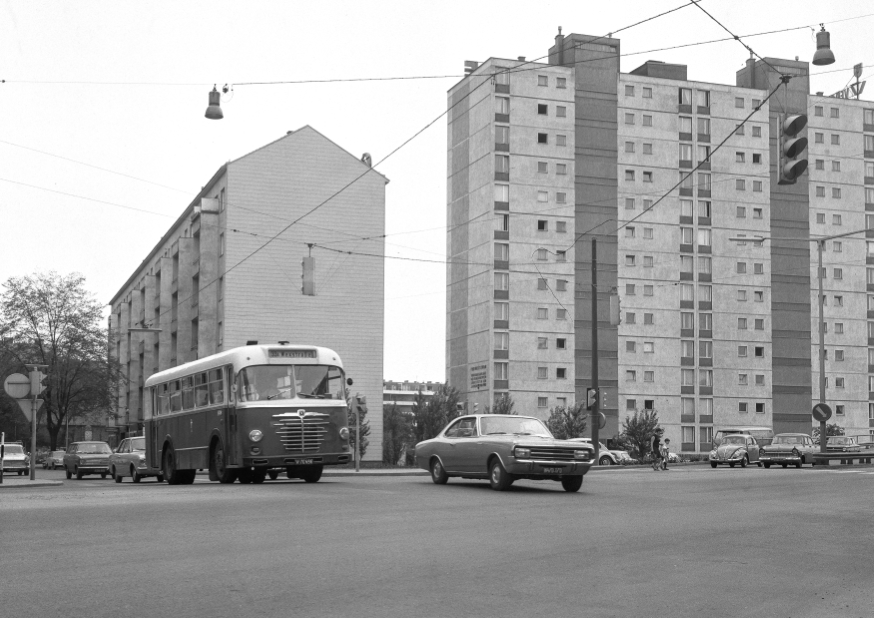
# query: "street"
(688, 542)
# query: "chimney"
(751, 68)
(559, 44)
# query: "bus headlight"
(255, 435)
(344, 433)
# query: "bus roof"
(251, 355)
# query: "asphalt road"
(688, 542)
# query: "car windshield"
(14, 448)
(778, 439)
(734, 439)
(839, 440)
(516, 425)
(290, 382)
(138, 444)
(93, 449)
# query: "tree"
(503, 405)
(567, 422)
(51, 319)
(396, 433)
(639, 429)
(831, 429)
(431, 415)
(362, 421)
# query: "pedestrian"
(666, 452)
(655, 447)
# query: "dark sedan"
(87, 458)
(502, 449)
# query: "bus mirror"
(349, 381)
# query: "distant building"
(403, 394)
(715, 330)
(213, 283)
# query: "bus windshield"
(265, 382)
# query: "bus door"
(229, 426)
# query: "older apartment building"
(212, 283)
(715, 272)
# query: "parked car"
(865, 442)
(841, 444)
(503, 448)
(737, 448)
(55, 459)
(129, 459)
(15, 459)
(788, 448)
(606, 456)
(763, 435)
(87, 458)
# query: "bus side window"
(175, 396)
(164, 398)
(216, 386)
(187, 393)
(201, 390)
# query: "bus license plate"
(303, 462)
(553, 470)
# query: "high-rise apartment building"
(213, 282)
(715, 271)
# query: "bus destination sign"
(292, 353)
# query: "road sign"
(822, 412)
(28, 408)
(17, 385)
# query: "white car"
(606, 456)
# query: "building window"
(647, 233)
(561, 285)
(560, 111)
(739, 157)
(502, 281)
(836, 166)
(704, 264)
(630, 375)
(502, 371)
(817, 110)
(542, 313)
(648, 319)
(629, 289)
(838, 273)
(543, 80)
(757, 213)
(541, 284)
(561, 227)
(629, 118)
(502, 193)
(647, 120)
(820, 216)
(629, 91)
(839, 408)
(757, 186)
(542, 343)
(757, 158)
(647, 93)
(630, 260)
(759, 324)
(542, 225)
(648, 347)
(758, 296)
(542, 138)
(560, 373)
(631, 317)
(561, 82)
(647, 261)
(686, 124)
(760, 379)
(742, 351)
(629, 146)
(647, 290)
(742, 406)
(502, 311)
(703, 126)
(631, 347)
(740, 184)
(629, 203)
(561, 169)
(561, 344)
(647, 148)
(543, 196)
(836, 194)
(757, 131)
(502, 164)
(687, 377)
(741, 212)
(758, 269)
(739, 102)
(502, 223)
(647, 177)
(836, 140)
(543, 402)
(542, 373)
(742, 295)
(561, 255)
(649, 376)
(629, 175)
(502, 251)
(760, 408)
(542, 254)
(542, 109)
(741, 323)
(839, 328)
(542, 168)
(741, 268)
(502, 105)
(221, 244)
(742, 379)
(561, 314)
(561, 140)
(502, 341)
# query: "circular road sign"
(822, 412)
(17, 386)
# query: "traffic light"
(459, 407)
(591, 398)
(790, 146)
(309, 283)
(36, 385)
(615, 310)
(361, 404)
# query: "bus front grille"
(301, 434)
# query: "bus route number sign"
(292, 353)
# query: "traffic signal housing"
(591, 398)
(789, 148)
(36, 385)
(308, 286)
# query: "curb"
(28, 484)
(377, 473)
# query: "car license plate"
(553, 470)
(303, 462)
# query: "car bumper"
(15, 467)
(733, 460)
(92, 469)
(283, 461)
(547, 468)
(788, 458)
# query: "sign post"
(2, 453)
(822, 412)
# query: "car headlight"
(584, 454)
(522, 452)
(255, 435)
(344, 433)
(795, 452)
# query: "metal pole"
(595, 415)
(2, 453)
(33, 410)
(822, 440)
(357, 436)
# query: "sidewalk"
(24, 482)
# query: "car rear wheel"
(605, 461)
(783, 465)
(731, 465)
(767, 464)
(134, 476)
(499, 479)
(712, 464)
(572, 483)
(798, 464)
(438, 474)
(103, 475)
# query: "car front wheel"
(744, 461)
(79, 474)
(604, 461)
(572, 483)
(767, 464)
(116, 475)
(134, 476)
(438, 474)
(499, 479)
(712, 464)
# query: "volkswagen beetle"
(735, 449)
(503, 448)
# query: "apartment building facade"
(715, 271)
(213, 282)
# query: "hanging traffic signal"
(308, 276)
(591, 398)
(36, 385)
(789, 147)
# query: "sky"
(103, 140)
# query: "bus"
(247, 411)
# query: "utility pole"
(822, 438)
(595, 415)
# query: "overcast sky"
(123, 86)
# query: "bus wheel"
(245, 476)
(218, 466)
(273, 474)
(258, 475)
(312, 474)
(168, 466)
